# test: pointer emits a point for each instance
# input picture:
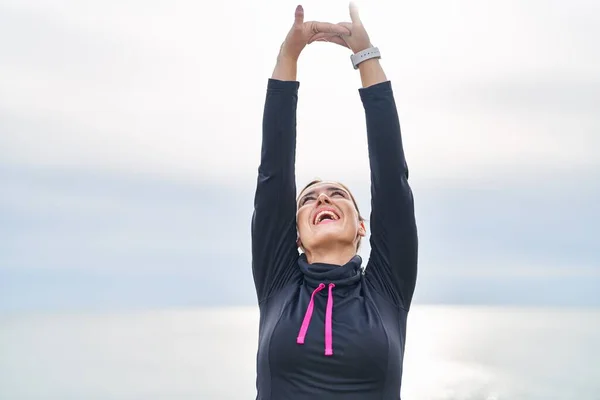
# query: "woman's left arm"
(392, 265)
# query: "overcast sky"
(130, 139)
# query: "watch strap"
(364, 55)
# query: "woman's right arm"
(274, 249)
(274, 240)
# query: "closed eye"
(338, 193)
(306, 199)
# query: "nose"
(323, 198)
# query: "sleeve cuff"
(376, 89)
(283, 86)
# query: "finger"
(328, 37)
(319, 36)
(299, 15)
(354, 13)
(347, 25)
(336, 40)
(327, 27)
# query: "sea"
(452, 353)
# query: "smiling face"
(327, 216)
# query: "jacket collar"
(340, 275)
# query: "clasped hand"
(351, 35)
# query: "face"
(326, 213)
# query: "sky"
(130, 141)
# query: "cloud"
(547, 291)
(130, 139)
(535, 96)
(74, 219)
(77, 237)
(107, 85)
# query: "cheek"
(353, 225)
(351, 213)
(301, 219)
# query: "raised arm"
(394, 246)
(392, 266)
(273, 229)
(273, 221)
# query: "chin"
(328, 229)
(329, 234)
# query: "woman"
(329, 329)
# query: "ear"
(362, 230)
(299, 244)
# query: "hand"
(302, 33)
(357, 40)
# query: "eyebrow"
(327, 188)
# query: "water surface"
(453, 353)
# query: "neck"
(336, 255)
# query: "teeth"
(320, 215)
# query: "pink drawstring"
(328, 329)
(328, 318)
(308, 315)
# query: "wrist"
(286, 57)
(285, 68)
(371, 72)
(369, 64)
(363, 47)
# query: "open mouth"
(325, 217)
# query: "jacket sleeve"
(273, 227)
(392, 265)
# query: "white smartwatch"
(364, 55)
